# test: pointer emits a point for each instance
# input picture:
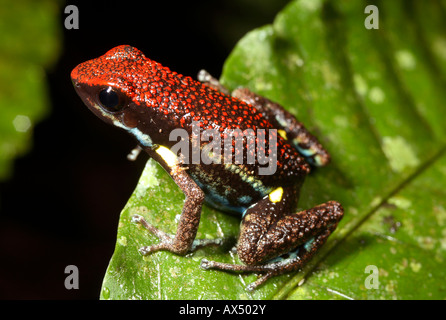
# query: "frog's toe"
(164, 237)
(150, 249)
(261, 280)
(205, 264)
(145, 251)
(136, 218)
(164, 245)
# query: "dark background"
(62, 205)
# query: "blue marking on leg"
(292, 256)
(305, 152)
(309, 244)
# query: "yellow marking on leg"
(168, 156)
(276, 195)
(282, 133)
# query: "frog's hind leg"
(292, 130)
(267, 234)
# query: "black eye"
(109, 100)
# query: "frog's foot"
(286, 263)
(167, 241)
(267, 270)
(274, 244)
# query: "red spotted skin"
(175, 98)
(148, 100)
(160, 101)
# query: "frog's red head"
(121, 76)
(113, 68)
(114, 85)
(123, 68)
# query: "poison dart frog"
(149, 101)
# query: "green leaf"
(375, 100)
(30, 33)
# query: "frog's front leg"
(184, 240)
(187, 228)
(268, 232)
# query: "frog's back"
(172, 101)
(178, 98)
